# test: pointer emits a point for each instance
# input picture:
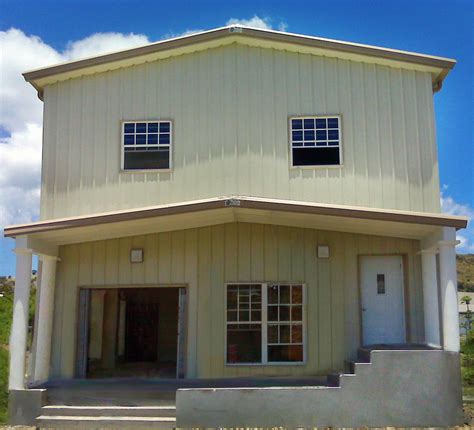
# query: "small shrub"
(467, 360)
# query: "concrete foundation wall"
(398, 388)
(24, 406)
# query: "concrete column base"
(24, 406)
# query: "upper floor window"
(146, 145)
(315, 141)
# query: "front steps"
(130, 404)
(362, 365)
(107, 417)
(98, 423)
(357, 367)
(122, 394)
(97, 411)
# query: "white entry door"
(383, 309)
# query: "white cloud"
(18, 101)
(257, 22)
(101, 43)
(187, 32)
(465, 244)
(21, 112)
(23, 150)
(451, 207)
(20, 158)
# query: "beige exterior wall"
(230, 109)
(206, 258)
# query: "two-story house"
(239, 228)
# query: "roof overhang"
(200, 213)
(438, 67)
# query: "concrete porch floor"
(137, 391)
(166, 384)
(146, 391)
(400, 347)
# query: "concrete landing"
(149, 392)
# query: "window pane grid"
(315, 141)
(287, 330)
(284, 342)
(147, 147)
(244, 326)
(315, 132)
(294, 340)
(248, 309)
(147, 144)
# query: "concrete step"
(340, 379)
(104, 422)
(359, 367)
(110, 411)
(363, 355)
(91, 397)
(334, 380)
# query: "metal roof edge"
(270, 35)
(257, 203)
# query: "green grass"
(5, 322)
(467, 364)
(465, 266)
(6, 311)
(3, 385)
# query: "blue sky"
(38, 33)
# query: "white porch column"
(430, 297)
(449, 296)
(45, 318)
(31, 361)
(19, 330)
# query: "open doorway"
(131, 332)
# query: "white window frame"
(315, 166)
(123, 146)
(264, 325)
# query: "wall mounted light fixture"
(323, 251)
(136, 255)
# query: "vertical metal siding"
(206, 258)
(230, 108)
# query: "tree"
(467, 324)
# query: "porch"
(302, 265)
(119, 402)
(404, 373)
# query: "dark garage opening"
(133, 332)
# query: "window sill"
(330, 166)
(146, 170)
(281, 363)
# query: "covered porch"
(212, 248)
(409, 375)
